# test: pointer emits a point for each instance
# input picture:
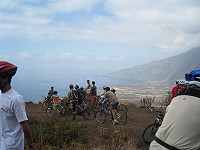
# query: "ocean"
(34, 88)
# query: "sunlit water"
(33, 88)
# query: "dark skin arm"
(27, 134)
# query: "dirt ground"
(138, 119)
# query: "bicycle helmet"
(7, 69)
(55, 92)
(71, 86)
(76, 87)
(181, 82)
(113, 89)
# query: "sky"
(58, 36)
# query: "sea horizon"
(36, 88)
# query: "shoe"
(115, 122)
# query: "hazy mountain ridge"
(166, 70)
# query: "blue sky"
(102, 35)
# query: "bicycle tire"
(123, 107)
(121, 116)
(44, 105)
(89, 114)
(149, 133)
(49, 111)
(100, 116)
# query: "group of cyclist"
(77, 95)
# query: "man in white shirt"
(180, 128)
(13, 119)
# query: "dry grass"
(106, 136)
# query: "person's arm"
(28, 135)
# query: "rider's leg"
(114, 110)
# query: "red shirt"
(175, 90)
(55, 99)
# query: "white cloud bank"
(169, 25)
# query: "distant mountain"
(166, 70)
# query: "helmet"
(71, 86)
(193, 84)
(76, 86)
(104, 87)
(55, 92)
(7, 69)
(181, 82)
(113, 89)
(177, 81)
(107, 88)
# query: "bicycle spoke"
(100, 116)
(121, 117)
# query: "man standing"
(13, 124)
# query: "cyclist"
(50, 93)
(88, 88)
(13, 124)
(78, 94)
(182, 86)
(104, 90)
(175, 89)
(113, 102)
(93, 94)
(56, 101)
(73, 100)
(180, 128)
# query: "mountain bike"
(149, 133)
(66, 110)
(46, 103)
(122, 107)
(81, 110)
(104, 113)
(119, 107)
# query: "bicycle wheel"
(44, 105)
(123, 107)
(121, 117)
(89, 114)
(100, 116)
(149, 133)
(49, 111)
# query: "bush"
(56, 133)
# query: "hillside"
(95, 136)
(166, 70)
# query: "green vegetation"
(61, 134)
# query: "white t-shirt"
(181, 125)
(12, 112)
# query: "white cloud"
(101, 58)
(134, 22)
(179, 40)
(5, 56)
(24, 55)
(121, 58)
